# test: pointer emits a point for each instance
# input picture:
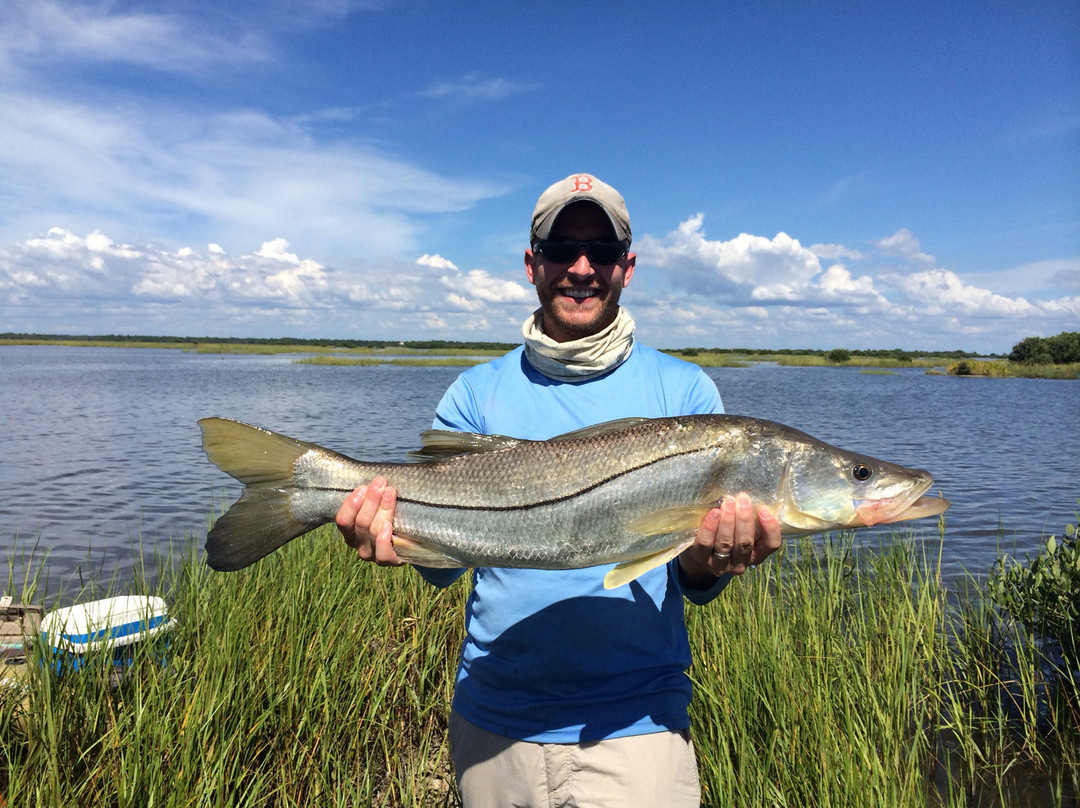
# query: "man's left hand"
(730, 539)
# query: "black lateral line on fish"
(528, 505)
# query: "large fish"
(631, 492)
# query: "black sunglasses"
(566, 251)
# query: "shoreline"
(325, 352)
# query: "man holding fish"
(569, 692)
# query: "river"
(101, 452)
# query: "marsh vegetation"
(834, 674)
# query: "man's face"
(578, 299)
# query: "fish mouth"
(887, 511)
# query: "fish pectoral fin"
(670, 520)
(628, 571)
(794, 522)
(414, 552)
(439, 444)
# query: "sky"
(798, 175)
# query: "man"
(567, 693)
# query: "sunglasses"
(566, 251)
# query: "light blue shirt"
(550, 655)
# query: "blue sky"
(798, 175)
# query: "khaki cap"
(578, 188)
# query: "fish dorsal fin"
(439, 444)
(600, 429)
(628, 571)
(671, 520)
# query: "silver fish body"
(630, 492)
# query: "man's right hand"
(366, 522)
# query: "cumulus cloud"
(436, 261)
(756, 268)
(476, 290)
(904, 244)
(52, 278)
(938, 292)
(753, 290)
(834, 251)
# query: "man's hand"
(366, 522)
(729, 540)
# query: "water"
(101, 452)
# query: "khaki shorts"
(644, 771)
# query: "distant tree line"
(836, 354)
(1064, 349)
(442, 344)
(432, 344)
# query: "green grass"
(1004, 369)
(996, 368)
(831, 675)
(707, 358)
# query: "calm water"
(101, 450)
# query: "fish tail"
(260, 521)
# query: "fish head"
(825, 488)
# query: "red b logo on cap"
(582, 183)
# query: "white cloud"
(53, 278)
(69, 283)
(1068, 278)
(938, 291)
(476, 290)
(904, 244)
(436, 261)
(745, 261)
(46, 31)
(834, 251)
(472, 87)
(141, 171)
(800, 302)
(755, 268)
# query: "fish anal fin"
(628, 571)
(670, 520)
(415, 552)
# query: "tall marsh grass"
(1004, 369)
(831, 675)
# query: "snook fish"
(631, 492)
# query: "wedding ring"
(721, 556)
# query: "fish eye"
(861, 472)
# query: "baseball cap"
(579, 188)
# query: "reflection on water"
(101, 450)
